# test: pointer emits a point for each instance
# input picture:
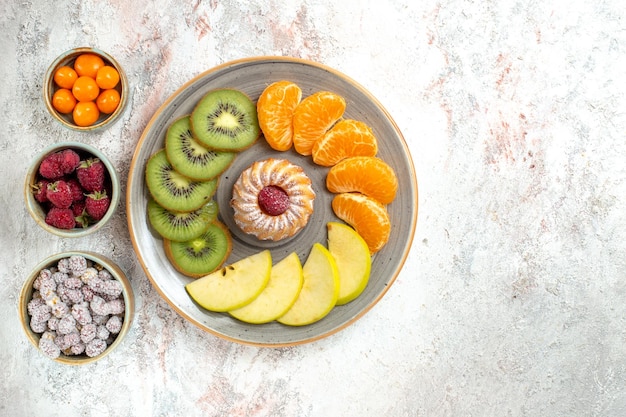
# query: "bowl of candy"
(85, 89)
(76, 307)
(71, 189)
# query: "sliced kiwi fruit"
(226, 120)
(180, 227)
(202, 255)
(191, 158)
(174, 191)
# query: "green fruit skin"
(191, 158)
(202, 255)
(181, 226)
(214, 132)
(183, 194)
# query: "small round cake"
(272, 199)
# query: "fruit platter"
(339, 213)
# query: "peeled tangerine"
(319, 292)
(234, 285)
(367, 175)
(353, 260)
(366, 215)
(313, 117)
(275, 109)
(278, 296)
(346, 138)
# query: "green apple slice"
(319, 290)
(353, 259)
(278, 296)
(234, 285)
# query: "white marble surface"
(511, 302)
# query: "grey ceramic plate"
(252, 76)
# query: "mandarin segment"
(368, 175)
(346, 138)
(313, 117)
(275, 109)
(367, 216)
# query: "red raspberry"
(80, 213)
(59, 194)
(40, 189)
(90, 174)
(78, 194)
(50, 167)
(97, 204)
(61, 218)
(68, 160)
(273, 200)
(78, 208)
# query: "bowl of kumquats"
(85, 89)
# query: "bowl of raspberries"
(76, 307)
(71, 189)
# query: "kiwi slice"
(181, 226)
(189, 157)
(202, 255)
(226, 120)
(174, 191)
